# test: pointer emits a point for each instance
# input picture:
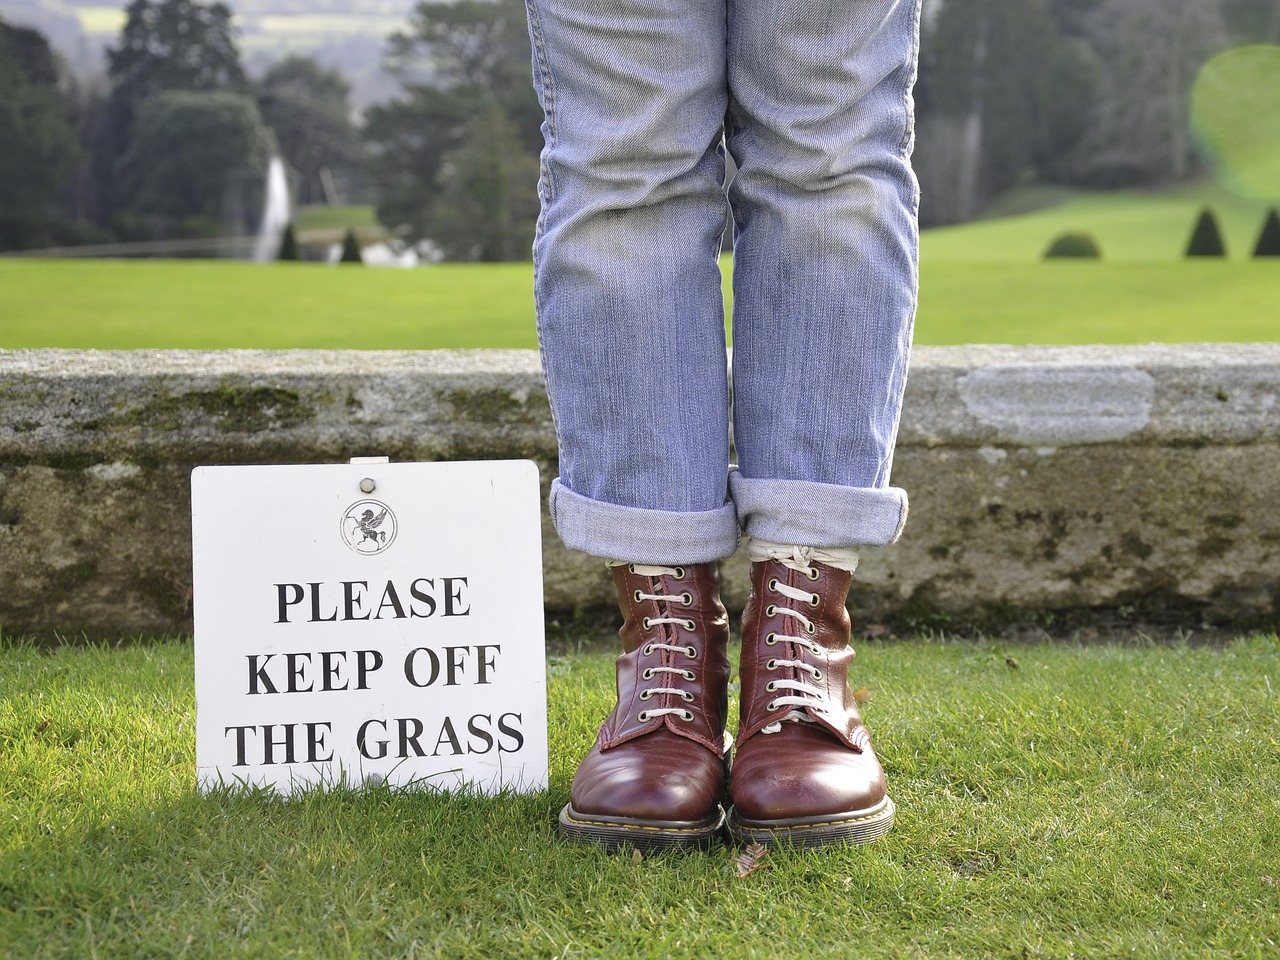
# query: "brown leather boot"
(804, 772)
(655, 776)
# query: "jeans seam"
(547, 88)
(908, 104)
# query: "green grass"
(1117, 800)
(145, 304)
(1069, 302)
(1131, 226)
(983, 282)
(319, 217)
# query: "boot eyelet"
(647, 674)
(817, 674)
(687, 598)
(687, 716)
(643, 716)
(679, 573)
(810, 629)
(636, 596)
(814, 600)
(690, 625)
(771, 686)
(691, 652)
(631, 568)
(646, 650)
(773, 583)
(771, 639)
(772, 664)
(813, 573)
(690, 676)
(646, 623)
(646, 694)
(687, 697)
(770, 610)
(771, 706)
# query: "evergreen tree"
(1206, 238)
(1269, 239)
(38, 145)
(174, 45)
(164, 46)
(288, 243)
(308, 109)
(192, 157)
(350, 248)
(464, 67)
(1073, 245)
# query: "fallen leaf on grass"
(636, 856)
(1011, 662)
(873, 631)
(861, 695)
(751, 859)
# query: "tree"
(458, 63)
(485, 209)
(174, 45)
(1268, 244)
(165, 45)
(1150, 51)
(30, 50)
(288, 243)
(195, 158)
(1252, 21)
(309, 110)
(350, 248)
(1206, 237)
(981, 96)
(39, 150)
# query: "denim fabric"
(813, 100)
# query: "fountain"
(275, 213)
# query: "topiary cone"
(1269, 239)
(1206, 238)
(351, 249)
(288, 244)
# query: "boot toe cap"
(664, 778)
(801, 773)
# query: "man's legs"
(631, 326)
(825, 263)
(627, 281)
(825, 270)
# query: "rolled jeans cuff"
(813, 514)
(640, 535)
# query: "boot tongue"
(796, 715)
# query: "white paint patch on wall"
(1044, 406)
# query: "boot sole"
(808, 833)
(620, 832)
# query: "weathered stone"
(1042, 480)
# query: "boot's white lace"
(653, 646)
(800, 695)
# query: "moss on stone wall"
(231, 409)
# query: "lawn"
(1055, 800)
(1131, 226)
(983, 282)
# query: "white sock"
(798, 558)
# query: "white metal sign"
(369, 621)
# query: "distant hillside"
(347, 34)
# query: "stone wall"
(1044, 482)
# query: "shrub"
(1269, 239)
(1074, 245)
(1206, 238)
(288, 243)
(350, 249)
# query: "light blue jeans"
(812, 98)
